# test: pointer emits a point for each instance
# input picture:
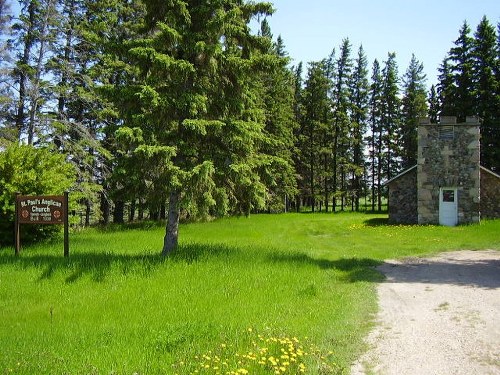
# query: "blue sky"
(427, 28)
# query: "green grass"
(235, 287)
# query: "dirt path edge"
(437, 315)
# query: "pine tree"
(485, 53)
(414, 107)
(314, 129)
(298, 110)
(341, 123)
(278, 142)
(446, 90)
(375, 139)
(107, 29)
(359, 114)
(7, 133)
(462, 70)
(35, 35)
(390, 118)
(433, 104)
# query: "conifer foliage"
(181, 110)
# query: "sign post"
(42, 209)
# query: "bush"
(30, 171)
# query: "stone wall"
(490, 195)
(403, 198)
(448, 156)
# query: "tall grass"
(234, 287)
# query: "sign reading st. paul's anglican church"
(41, 209)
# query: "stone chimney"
(448, 158)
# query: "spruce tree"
(278, 141)
(462, 64)
(485, 54)
(314, 129)
(390, 117)
(375, 139)
(7, 132)
(359, 116)
(35, 33)
(298, 111)
(197, 107)
(433, 105)
(446, 90)
(414, 107)
(341, 123)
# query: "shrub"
(30, 171)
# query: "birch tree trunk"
(172, 229)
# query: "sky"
(427, 28)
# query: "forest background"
(179, 110)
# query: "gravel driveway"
(438, 315)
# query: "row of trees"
(358, 130)
(178, 108)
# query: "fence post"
(66, 224)
(17, 235)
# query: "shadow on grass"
(377, 222)
(354, 269)
(98, 265)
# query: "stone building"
(447, 186)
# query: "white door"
(448, 207)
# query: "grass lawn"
(269, 294)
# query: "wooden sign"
(42, 209)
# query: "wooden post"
(17, 235)
(66, 224)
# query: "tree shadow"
(480, 273)
(354, 269)
(98, 265)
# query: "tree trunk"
(119, 212)
(105, 209)
(87, 212)
(131, 215)
(172, 230)
(140, 214)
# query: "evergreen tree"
(341, 123)
(446, 90)
(7, 133)
(414, 107)
(278, 141)
(298, 110)
(390, 117)
(314, 129)
(375, 139)
(359, 115)
(433, 104)
(35, 36)
(197, 107)
(485, 53)
(463, 74)
(107, 29)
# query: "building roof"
(489, 171)
(400, 175)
